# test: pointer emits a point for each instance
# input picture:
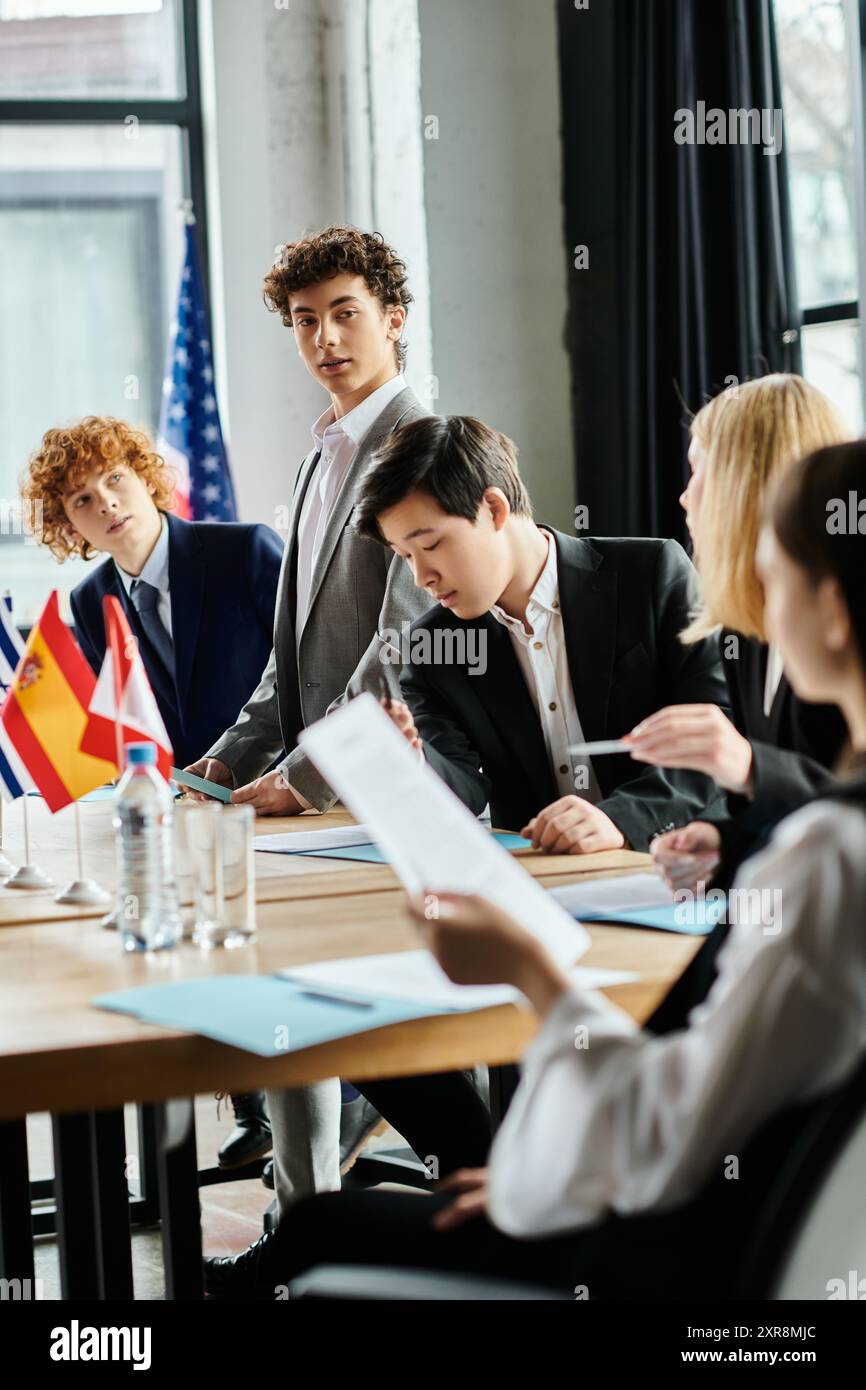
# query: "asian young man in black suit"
(540, 641)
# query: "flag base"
(29, 876)
(83, 892)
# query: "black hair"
(452, 458)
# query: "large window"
(100, 142)
(819, 53)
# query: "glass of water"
(220, 848)
(188, 895)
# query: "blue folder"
(262, 1013)
(696, 919)
(371, 854)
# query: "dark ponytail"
(818, 512)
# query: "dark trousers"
(668, 1255)
(442, 1117)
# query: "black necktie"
(146, 597)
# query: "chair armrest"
(384, 1283)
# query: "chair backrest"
(810, 1220)
(827, 1257)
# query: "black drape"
(697, 279)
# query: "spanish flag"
(45, 713)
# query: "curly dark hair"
(338, 251)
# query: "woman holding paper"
(776, 751)
(611, 1173)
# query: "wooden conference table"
(59, 1054)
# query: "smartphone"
(201, 784)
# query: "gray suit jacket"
(359, 592)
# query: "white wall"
(285, 135)
(489, 74)
(318, 113)
(267, 183)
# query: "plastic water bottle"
(148, 914)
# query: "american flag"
(190, 435)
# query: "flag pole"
(28, 875)
(6, 865)
(81, 890)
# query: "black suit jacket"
(223, 584)
(623, 604)
(794, 748)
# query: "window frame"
(848, 310)
(184, 112)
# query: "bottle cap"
(141, 754)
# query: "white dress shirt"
(772, 678)
(155, 572)
(337, 442)
(634, 1121)
(543, 659)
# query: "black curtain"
(698, 270)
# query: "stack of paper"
(349, 842)
(416, 975)
(643, 900)
(432, 841)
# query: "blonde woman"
(775, 751)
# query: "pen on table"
(600, 747)
(330, 998)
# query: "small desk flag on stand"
(123, 707)
(44, 715)
(14, 778)
(11, 651)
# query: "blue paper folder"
(697, 919)
(371, 854)
(261, 1013)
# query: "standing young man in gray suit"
(344, 295)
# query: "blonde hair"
(750, 434)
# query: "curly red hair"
(66, 458)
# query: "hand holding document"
(430, 839)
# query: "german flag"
(45, 713)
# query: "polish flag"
(123, 707)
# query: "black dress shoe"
(254, 1273)
(251, 1137)
(268, 1174)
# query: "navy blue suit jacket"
(223, 586)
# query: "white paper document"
(626, 893)
(312, 841)
(432, 841)
(416, 975)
